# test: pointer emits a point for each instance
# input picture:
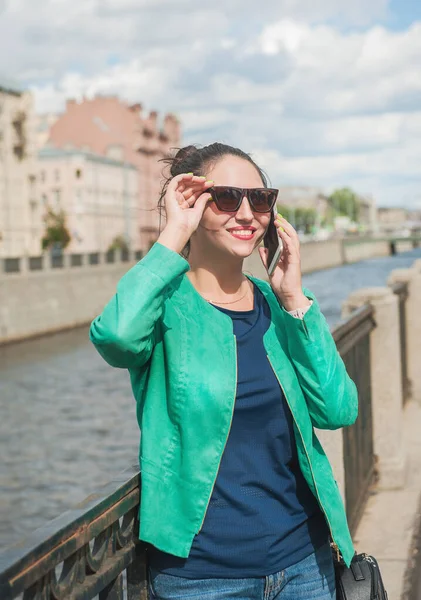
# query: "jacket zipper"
(229, 429)
(335, 546)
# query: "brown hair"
(196, 160)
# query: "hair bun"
(180, 158)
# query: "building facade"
(98, 195)
(19, 209)
(399, 220)
(108, 127)
(310, 197)
(303, 197)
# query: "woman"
(230, 375)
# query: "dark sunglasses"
(228, 199)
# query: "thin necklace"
(230, 302)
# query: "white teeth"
(245, 232)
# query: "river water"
(67, 419)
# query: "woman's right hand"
(185, 201)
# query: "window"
(78, 173)
(56, 175)
(78, 201)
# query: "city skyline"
(326, 96)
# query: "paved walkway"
(391, 518)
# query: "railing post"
(417, 265)
(386, 382)
(412, 277)
(24, 264)
(67, 260)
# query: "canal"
(67, 420)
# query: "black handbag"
(362, 580)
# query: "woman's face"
(236, 233)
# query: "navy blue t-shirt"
(262, 516)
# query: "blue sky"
(323, 93)
(403, 13)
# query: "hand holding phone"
(274, 245)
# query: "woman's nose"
(244, 213)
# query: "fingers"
(178, 180)
(192, 200)
(289, 237)
(187, 179)
(287, 232)
(190, 188)
(200, 203)
(183, 182)
(280, 221)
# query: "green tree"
(56, 233)
(344, 202)
(119, 243)
(301, 218)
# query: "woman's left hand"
(286, 278)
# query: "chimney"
(172, 128)
(136, 108)
(151, 121)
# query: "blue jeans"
(312, 578)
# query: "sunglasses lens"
(263, 200)
(227, 199)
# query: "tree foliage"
(119, 243)
(344, 202)
(56, 233)
(301, 218)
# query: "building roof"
(102, 122)
(10, 86)
(49, 152)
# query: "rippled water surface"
(67, 419)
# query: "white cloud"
(346, 73)
(322, 101)
(58, 33)
(285, 35)
(198, 120)
(390, 174)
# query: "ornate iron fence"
(90, 551)
(352, 338)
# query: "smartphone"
(273, 243)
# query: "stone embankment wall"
(38, 297)
(334, 253)
(37, 303)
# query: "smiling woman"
(230, 375)
(194, 161)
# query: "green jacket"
(181, 355)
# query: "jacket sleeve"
(331, 395)
(124, 332)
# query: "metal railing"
(57, 261)
(90, 550)
(352, 338)
(401, 291)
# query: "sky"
(321, 92)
